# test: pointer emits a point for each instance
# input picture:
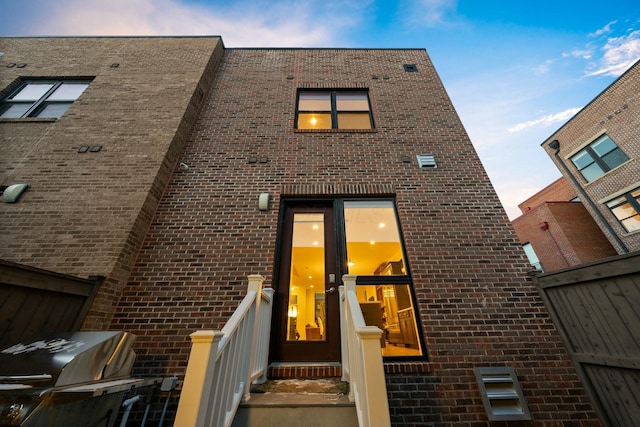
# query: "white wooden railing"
(223, 364)
(362, 363)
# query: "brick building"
(598, 152)
(152, 178)
(557, 231)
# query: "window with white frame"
(42, 98)
(626, 209)
(598, 158)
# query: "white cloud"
(604, 30)
(430, 13)
(579, 53)
(289, 24)
(545, 120)
(544, 67)
(619, 54)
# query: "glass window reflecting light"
(598, 158)
(41, 99)
(333, 110)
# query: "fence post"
(195, 398)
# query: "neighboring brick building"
(360, 146)
(557, 228)
(598, 152)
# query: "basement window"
(42, 98)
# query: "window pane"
(16, 110)
(354, 121)
(373, 239)
(624, 211)
(614, 202)
(32, 92)
(352, 101)
(54, 110)
(615, 158)
(389, 307)
(306, 308)
(314, 121)
(531, 256)
(314, 101)
(592, 172)
(632, 224)
(603, 145)
(582, 160)
(68, 92)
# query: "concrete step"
(295, 410)
(298, 402)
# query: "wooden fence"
(596, 308)
(34, 301)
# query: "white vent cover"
(426, 161)
(501, 394)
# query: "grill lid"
(67, 358)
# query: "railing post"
(195, 398)
(377, 407)
(349, 282)
(266, 330)
(255, 285)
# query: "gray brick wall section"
(86, 214)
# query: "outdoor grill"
(67, 379)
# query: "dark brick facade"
(562, 233)
(616, 112)
(476, 304)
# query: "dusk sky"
(516, 70)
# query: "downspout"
(555, 145)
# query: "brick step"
(304, 370)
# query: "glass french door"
(307, 308)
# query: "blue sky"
(516, 70)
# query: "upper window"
(599, 157)
(627, 209)
(333, 110)
(42, 98)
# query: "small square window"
(410, 68)
(333, 110)
(36, 98)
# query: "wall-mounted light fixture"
(12, 193)
(263, 201)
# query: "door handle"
(331, 290)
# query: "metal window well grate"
(501, 394)
(426, 161)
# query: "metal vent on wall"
(426, 161)
(501, 394)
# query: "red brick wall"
(571, 237)
(86, 214)
(558, 191)
(476, 304)
(616, 112)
